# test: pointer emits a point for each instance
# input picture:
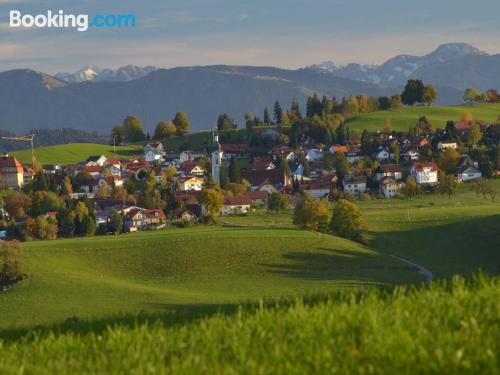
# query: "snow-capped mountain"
(95, 74)
(395, 71)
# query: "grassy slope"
(452, 329)
(448, 236)
(76, 152)
(401, 119)
(185, 268)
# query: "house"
(185, 215)
(314, 154)
(425, 173)
(411, 155)
(467, 173)
(382, 155)
(275, 178)
(353, 156)
(154, 152)
(28, 175)
(94, 161)
(258, 197)
(339, 148)
(93, 170)
(191, 168)
(262, 163)
(355, 185)
(11, 172)
(189, 183)
(140, 219)
(394, 171)
(186, 156)
(318, 188)
(389, 187)
(235, 205)
(443, 145)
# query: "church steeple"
(216, 157)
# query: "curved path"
(421, 270)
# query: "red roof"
(234, 148)
(256, 178)
(92, 169)
(259, 194)
(237, 201)
(340, 148)
(11, 162)
(419, 167)
(261, 163)
(188, 166)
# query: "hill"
(76, 152)
(187, 269)
(402, 119)
(202, 92)
(447, 328)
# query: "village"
(167, 188)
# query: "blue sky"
(286, 33)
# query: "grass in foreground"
(446, 328)
(183, 269)
(401, 119)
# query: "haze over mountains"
(96, 99)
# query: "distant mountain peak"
(95, 74)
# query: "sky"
(284, 33)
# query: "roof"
(419, 167)
(256, 178)
(234, 148)
(391, 168)
(154, 145)
(188, 166)
(92, 169)
(95, 158)
(11, 162)
(258, 194)
(355, 180)
(237, 201)
(340, 148)
(261, 162)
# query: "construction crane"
(25, 138)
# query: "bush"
(11, 267)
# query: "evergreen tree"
(234, 171)
(278, 113)
(295, 108)
(223, 178)
(267, 118)
(413, 92)
(341, 134)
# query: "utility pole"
(25, 138)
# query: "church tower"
(216, 158)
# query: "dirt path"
(429, 276)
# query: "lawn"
(450, 328)
(402, 119)
(187, 268)
(77, 152)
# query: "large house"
(140, 218)
(270, 180)
(189, 183)
(389, 187)
(355, 185)
(425, 173)
(235, 205)
(394, 171)
(154, 152)
(11, 172)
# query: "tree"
(223, 177)
(133, 130)
(267, 117)
(278, 202)
(429, 95)
(104, 191)
(471, 95)
(66, 186)
(347, 221)
(118, 134)
(411, 188)
(234, 171)
(448, 160)
(43, 202)
(295, 109)
(278, 113)
(474, 135)
(115, 222)
(45, 229)
(448, 184)
(413, 92)
(224, 122)
(311, 214)
(341, 165)
(11, 267)
(249, 120)
(17, 205)
(212, 200)
(181, 123)
(395, 151)
(237, 189)
(88, 226)
(164, 130)
(481, 186)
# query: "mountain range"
(96, 99)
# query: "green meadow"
(402, 119)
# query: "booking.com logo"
(80, 22)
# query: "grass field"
(401, 119)
(186, 269)
(450, 328)
(77, 152)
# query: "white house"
(394, 171)
(425, 173)
(235, 205)
(467, 173)
(314, 154)
(355, 185)
(190, 183)
(389, 187)
(382, 155)
(446, 145)
(186, 156)
(154, 152)
(96, 161)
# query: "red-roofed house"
(425, 173)
(11, 172)
(339, 148)
(262, 163)
(235, 205)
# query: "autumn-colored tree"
(347, 221)
(473, 135)
(311, 214)
(278, 202)
(164, 130)
(212, 200)
(181, 123)
(448, 160)
(11, 266)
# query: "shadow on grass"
(335, 264)
(461, 247)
